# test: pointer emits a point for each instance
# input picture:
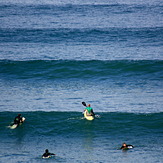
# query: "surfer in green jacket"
(89, 110)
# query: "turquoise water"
(56, 54)
(43, 85)
(74, 139)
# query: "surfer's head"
(124, 145)
(19, 115)
(89, 105)
(46, 150)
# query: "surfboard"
(46, 157)
(88, 117)
(130, 146)
(127, 147)
(16, 125)
(13, 126)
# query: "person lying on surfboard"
(89, 110)
(47, 154)
(125, 146)
(18, 119)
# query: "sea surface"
(55, 54)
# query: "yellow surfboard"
(88, 117)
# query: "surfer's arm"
(22, 119)
(92, 112)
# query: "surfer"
(125, 146)
(18, 119)
(47, 154)
(89, 110)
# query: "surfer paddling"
(18, 119)
(47, 154)
(125, 146)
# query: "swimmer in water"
(47, 154)
(125, 146)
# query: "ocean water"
(74, 139)
(56, 54)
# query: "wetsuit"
(18, 120)
(127, 147)
(47, 154)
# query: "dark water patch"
(53, 69)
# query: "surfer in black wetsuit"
(47, 154)
(18, 119)
(125, 146)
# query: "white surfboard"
(46, 157)
(13, 126)
(88, 117)
(130, 146)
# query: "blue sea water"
(56, 54)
